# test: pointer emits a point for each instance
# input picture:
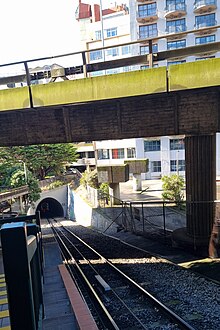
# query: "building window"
(145, 67)
(95, 55)
(205, 20)
(175, 5)
(98, 35)
(176, 44)
(156, 166)
(148, 31)
(204, 58)
(177, 144)
(131, 152)
(176, 26)
(113, 71)
(176, 62)
(118, 153)
(82, 155)
(145, 49)
(103, 154)
(91, 154)
(205, 40)
(152, 145)
(112, 32)
(147, 10)
(125, 50)
(127, 68)
(177, 165)
(112, 51)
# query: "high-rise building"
(165, 18)
(140, 20)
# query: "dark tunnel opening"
(50, 208)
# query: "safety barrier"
(22, 259)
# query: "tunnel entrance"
(50, 208)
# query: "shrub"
(55, 184)
(90, 178)
(172, 188)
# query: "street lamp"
(25, 170)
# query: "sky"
(39, 28)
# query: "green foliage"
(55, 184)
(17, 180)
(104, 187)
(34, 190)
(41, 159)
(172, 188)
(90, 178)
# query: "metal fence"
(156, 219)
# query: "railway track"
(119, 301)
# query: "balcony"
(204, 6)
(175, 10)
(148, 17)
(200, 27)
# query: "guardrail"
(30, 76)
(22, 259)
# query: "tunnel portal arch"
(50, 208)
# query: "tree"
(41, 159)
(172, 188)
(18, 179)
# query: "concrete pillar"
(200, 186)
(137, 182)
(114, 191)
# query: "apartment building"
(140, 20)
(150, 19)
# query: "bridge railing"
(77, 64)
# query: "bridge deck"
(156, 80)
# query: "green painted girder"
(156, 80)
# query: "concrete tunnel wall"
(57, 200)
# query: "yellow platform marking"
(3, 301)
(6, 328)
(4, 313)
(2, 285)
(2, 280)
(3, 293)
(2, 275)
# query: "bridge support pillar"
(200, 172)
(114, 191)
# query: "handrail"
(147, 40)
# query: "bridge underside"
(189, 112)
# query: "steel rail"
(172, 315)
(70, 261)
(84, 276)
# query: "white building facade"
(146, 19)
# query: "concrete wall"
(103, 218)
(59, 194)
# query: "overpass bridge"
(180, 99)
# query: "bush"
(90, 178)
(172, 188)
(55, 184)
